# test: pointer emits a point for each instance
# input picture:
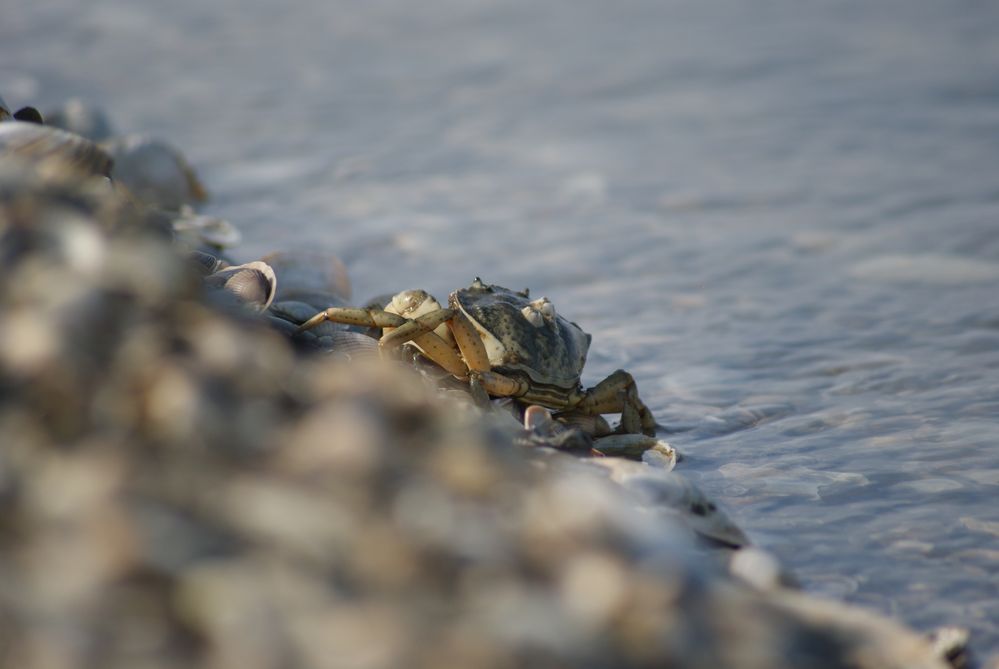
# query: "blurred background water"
(782, 217)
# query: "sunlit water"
(782, 218)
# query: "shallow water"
(783, 219)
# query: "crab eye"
(533, 316)
(546, 308)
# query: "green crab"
(503, 344)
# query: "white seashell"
(252, 285)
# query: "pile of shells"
(182, 487)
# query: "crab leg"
(619, 394)
(438, 350)
(432, 345)
(420, 331)
(410, 329)
(474, 352)
(372, 318)
(469, 342)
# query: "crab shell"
(524, 337)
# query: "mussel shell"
(30, 115)
(304, 275)
(43, 145)
(298, 312)
(154, 172)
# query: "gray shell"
(552, 353)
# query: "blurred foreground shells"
(181, 489)
(45, 146)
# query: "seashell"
(351, 345)
(298, 312)
(196, 229)
(154, 172)
(250, 285)
(305, 273)
(29, 115)
(43, 146)
(4, 110)
(85, 120)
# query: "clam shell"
(352, 345)
(252, 285)
(305, 274)
(154, 172)
(43, 145)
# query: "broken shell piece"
(536, 417)
(250, 285)
(661, 456)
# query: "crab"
(504, 345)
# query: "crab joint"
(502, 386)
